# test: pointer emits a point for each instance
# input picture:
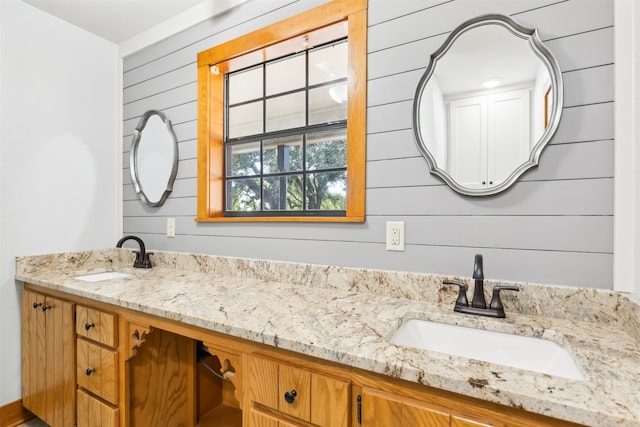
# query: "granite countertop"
(347, 315)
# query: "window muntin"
(296, 128)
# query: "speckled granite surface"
(346, 315)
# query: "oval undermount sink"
(99, 277)
(533, 354)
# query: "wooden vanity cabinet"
(129, 369)
(48, 358)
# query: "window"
(282, 122)
(286, 135)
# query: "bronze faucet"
(142, 258)
(479, 304)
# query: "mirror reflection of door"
(488, 137)
(486, 104)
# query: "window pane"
(243, 159)
(328, 63)
(286, 75)
(243, 194)
(327, 150)
(245, 85)
(327, 191)
(286, 112)
(245, 120)
(328, 104)
(282, 155)
(283, 193)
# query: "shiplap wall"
(554, 226)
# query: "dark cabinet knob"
(89, 371)
(290, 396)
(37, 304)
(88, 326)
(46, 307)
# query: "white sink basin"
(533, 354)
(98, 277)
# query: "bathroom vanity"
(303, 345)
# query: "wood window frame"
(262, 42)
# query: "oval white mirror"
(154, 158)
(488, 103)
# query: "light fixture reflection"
(490, 84)
(339, 93)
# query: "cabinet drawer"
(96, 325)
(94, 413)
(300, 393)
(97, 370)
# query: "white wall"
(59, 177)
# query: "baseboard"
(13, 414)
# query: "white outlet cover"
(171, 227)
(395, 236)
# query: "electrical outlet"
(395, 235)
(171, 227)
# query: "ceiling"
(122, 20)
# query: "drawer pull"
(290, 396)
(37, 304)
(46, 307)
(88, 326)
(89, 371)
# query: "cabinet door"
(60, 366)
(329, 401)
(380, 409)
(48, 358)
(383, 409)
(33, 353)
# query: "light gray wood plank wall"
(555, 225)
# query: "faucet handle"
(462, 294)
(496, 302)
(142, 261)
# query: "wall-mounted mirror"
(488, 103)
(154, 158)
